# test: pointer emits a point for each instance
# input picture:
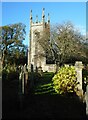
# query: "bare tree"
(64, 43)
(69, 42)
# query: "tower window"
(37, 34)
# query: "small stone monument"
(21, 80)
(26, 79)
(28, 68)
(40, 70)
(32, 77)
(21, 88)
(87, 100)
(24, 68)
(78, 68)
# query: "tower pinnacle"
(31, 16)
(48, 18)
(43, 15)
(36, 18)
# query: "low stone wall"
(49, 68)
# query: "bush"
(4, 75)
(10, 73)
(13, 75)
(65, 80)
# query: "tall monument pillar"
(78, 68)
(29, 48)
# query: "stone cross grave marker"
(78, 68)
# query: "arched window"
(36, 33)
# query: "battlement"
(34, 24)
(38, 22)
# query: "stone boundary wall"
(49, 68)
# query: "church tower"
(36, 30)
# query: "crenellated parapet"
(38, 22)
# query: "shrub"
(65, 80)
(4, 75)
(13, 75)
(9, 72)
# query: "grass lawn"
(42, 103)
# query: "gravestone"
(28, 68)
(32, 77)
(22, 80)
(21, 98)
(78, 68)
(24, 68)
(40, 70)
(87, 100)
(26, 79)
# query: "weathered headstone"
(26, 79)
(32, 77)
(87, 100)
(36, 69)
(20, 80)
(28, 68)
(78, 68)
(20, 89)
(24, 68)
(23, 83)
(40, 70)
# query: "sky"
(44, 0)
(15, 12)
(86, 19)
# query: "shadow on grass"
(42, 103)
(53, 107)
(43, 106)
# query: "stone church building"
(35, 49)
